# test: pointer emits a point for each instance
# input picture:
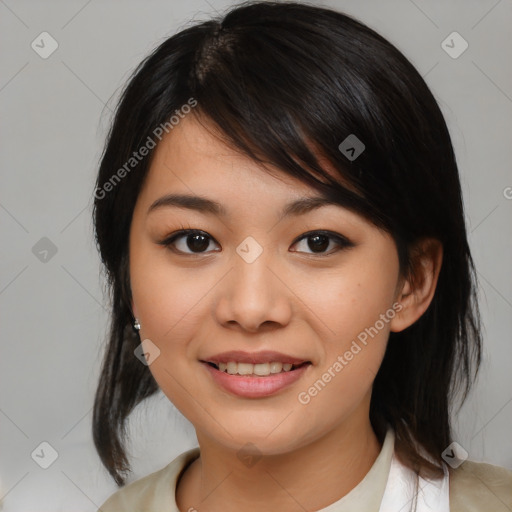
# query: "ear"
(134, 309)
(416, 291)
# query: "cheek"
(352, 299)
(350, 305)
(168, 298)
(169, 305)
(354, 305)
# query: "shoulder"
(155, 491)
(476, 486)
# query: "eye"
(319, 241)
(194, 240)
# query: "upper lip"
(265, 356)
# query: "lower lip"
(255, 387)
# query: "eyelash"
(343, 243)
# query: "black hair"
(285, 84)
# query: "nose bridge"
(252, 294)
(251, 269)
(252, 279)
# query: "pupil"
(199, 242)
(320, 242)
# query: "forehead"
(194, 152)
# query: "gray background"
(55, 113)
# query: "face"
(315, 286)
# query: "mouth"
(258, 380)
(256, 370)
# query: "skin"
(290, 299)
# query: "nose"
(253, 296)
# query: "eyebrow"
(209, 206)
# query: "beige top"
(474, 487)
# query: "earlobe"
(418, 289)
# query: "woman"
(289, 264)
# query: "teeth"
(261, 369)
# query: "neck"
(330, 467)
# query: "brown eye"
(188, 242)
(319, 241)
